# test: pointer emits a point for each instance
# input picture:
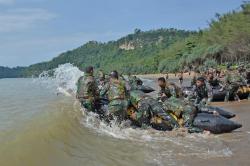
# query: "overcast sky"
(33, 31)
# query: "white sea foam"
(63, 81)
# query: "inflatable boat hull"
(220, 111)
(218, 95)
(215, 123)
(145, 89)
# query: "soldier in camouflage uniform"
(232, 83)
(175, 90)
(184, 112)
(134, 82)
(117, 93)
(202, 93)
(87, 90)
(180, 76)
(102, 80)
(149, 112)
(173, 113)
(212, 81)
(164, 92)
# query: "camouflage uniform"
(164, 93)
(116, 92)
(149, 111)
(134, 82)
(87, 92)
(232, 84)
(182, 110)
(175, 90)
(202, 94)
(213, 82)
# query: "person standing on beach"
(167, 77)
(180, 76)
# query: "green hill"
(6, 72)
(135, 53)
(227, 39)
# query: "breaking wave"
(63, 79)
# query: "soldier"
(180, 78)
(149, 112)
(87, 90)
(167, 76)
(164, 92)
(101, 75)
(213, 81)
(174, 113)
(184, 112)
(196, 75)
(175, 90)
(202, 93)
(232, 84)
(101, 80)
(116, 92)
(134, 82)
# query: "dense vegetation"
(165, 50)
(16, 72)
(227, 40)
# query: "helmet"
(201, 79)
(114, 74)
(89, 69)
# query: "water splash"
(66, 77)
(62, 81)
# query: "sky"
(33, 31)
